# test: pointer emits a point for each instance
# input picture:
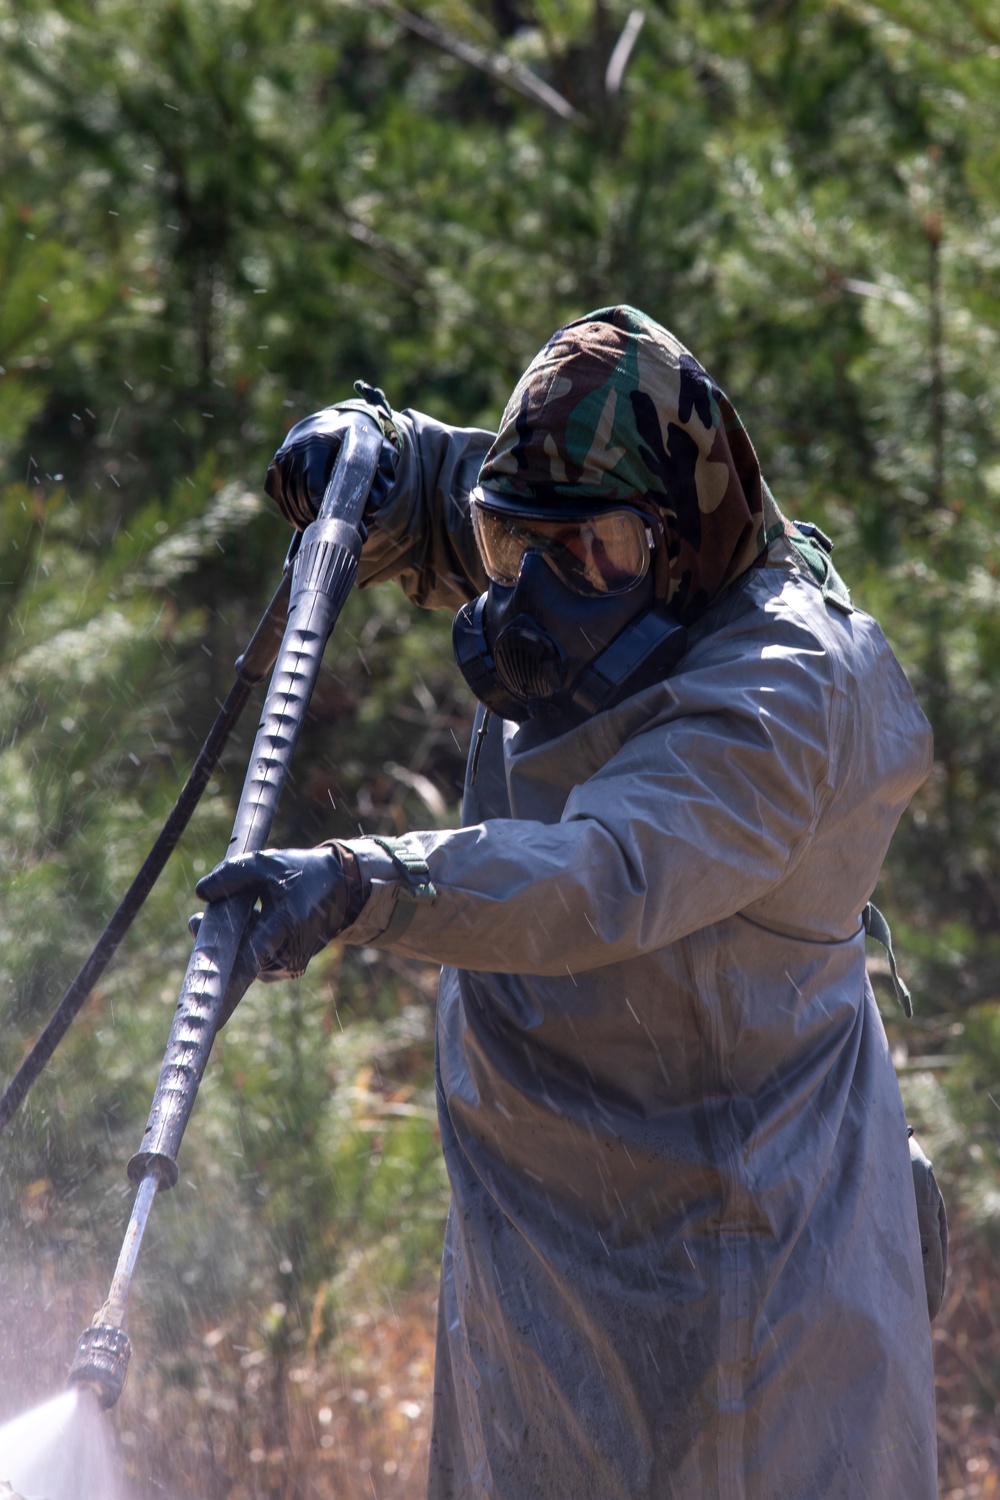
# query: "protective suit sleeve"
(697, 815)
(421, 534)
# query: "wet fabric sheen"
(682, 1258)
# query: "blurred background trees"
(214, 216)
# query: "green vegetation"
(214, 216)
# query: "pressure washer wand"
(323, 575)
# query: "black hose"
(251, 668)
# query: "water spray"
(323, 574)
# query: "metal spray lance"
(323, 574)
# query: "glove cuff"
(373, 403)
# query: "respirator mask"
(570, 623)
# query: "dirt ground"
(967, 1361)
(353, 1422)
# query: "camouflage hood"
(614, 409)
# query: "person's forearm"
(422, 534)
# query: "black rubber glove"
(306, 897)
(300, 470)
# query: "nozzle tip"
(101, 1362)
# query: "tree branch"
(622, 51)
(505, 70)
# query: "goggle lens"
(606, 553)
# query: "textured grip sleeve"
(332, 564)
(191, 1037)
(323, 574)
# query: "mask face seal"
(476, 664)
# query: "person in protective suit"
(681, 1260)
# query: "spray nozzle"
(101, 1361)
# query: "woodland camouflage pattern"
(614, 408)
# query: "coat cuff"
(395, 882)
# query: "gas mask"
(570, 624)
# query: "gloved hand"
(300, 470)
(306, 897)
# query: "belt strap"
(877, 927)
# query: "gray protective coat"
(682, 1258)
